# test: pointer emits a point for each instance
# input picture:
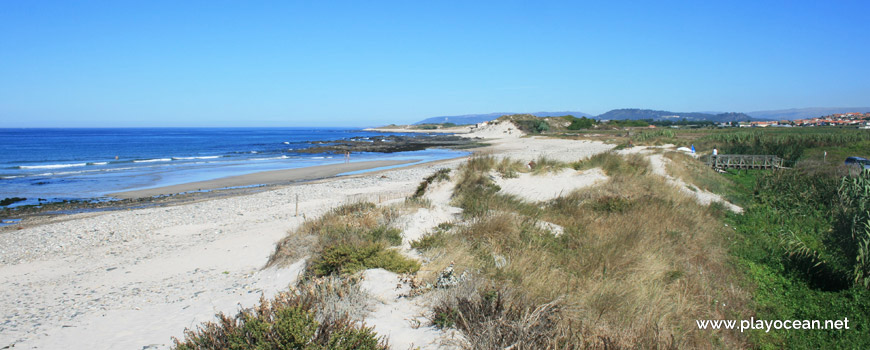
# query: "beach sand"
(132, 279)
(263, 178)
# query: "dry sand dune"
(132, 279)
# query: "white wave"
(286, 143)
(73, 172)
(153, 160)
(119, 169)
(10, 177)
(281, 157)
(254, 152)
(316, 157)
(98, 163)
(189, 158)
(51, 166)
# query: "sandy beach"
(133, 279)
(273, 177)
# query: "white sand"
(547, 186)
(132, 279)
(658, 163)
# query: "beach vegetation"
(579, 123)
(298, 319)
(349, 259)
(436, 238)
(543, 165)
(700, 176)
(614, 164)
(350, 237)
(438, 176)
(636, 264)
(803, 243)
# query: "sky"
(367, 63)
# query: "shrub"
(581, 123)
(349, 259)
(434, 239)
(286, 322)
(532, 126)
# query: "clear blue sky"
(360, 63)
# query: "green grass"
(789, 284)
(438, 176)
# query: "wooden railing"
(744, 161)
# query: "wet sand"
(262, 178)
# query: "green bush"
(532, 126)
(349, 259)
(581, 123)
(286, 322)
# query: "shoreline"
(59, 212)
(262, 178)
(138, 275)
(454, 130)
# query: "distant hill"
(800, 113)
(480, 118)
(635, 114)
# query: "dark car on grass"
(858, 162)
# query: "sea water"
(76, 164)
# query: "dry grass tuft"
(637, 264)
(615, 165)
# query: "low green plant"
(349, 259)
(439, 175)
(286, 322)
(435, 239)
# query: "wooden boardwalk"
(743, 161)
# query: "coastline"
(135, 278)
(272, 177)
(453, 130)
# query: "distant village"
(859, 120)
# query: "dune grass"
(348, 239)
(637, 264)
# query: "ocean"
(49, 165)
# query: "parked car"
(858, 161)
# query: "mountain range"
(635, 113)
